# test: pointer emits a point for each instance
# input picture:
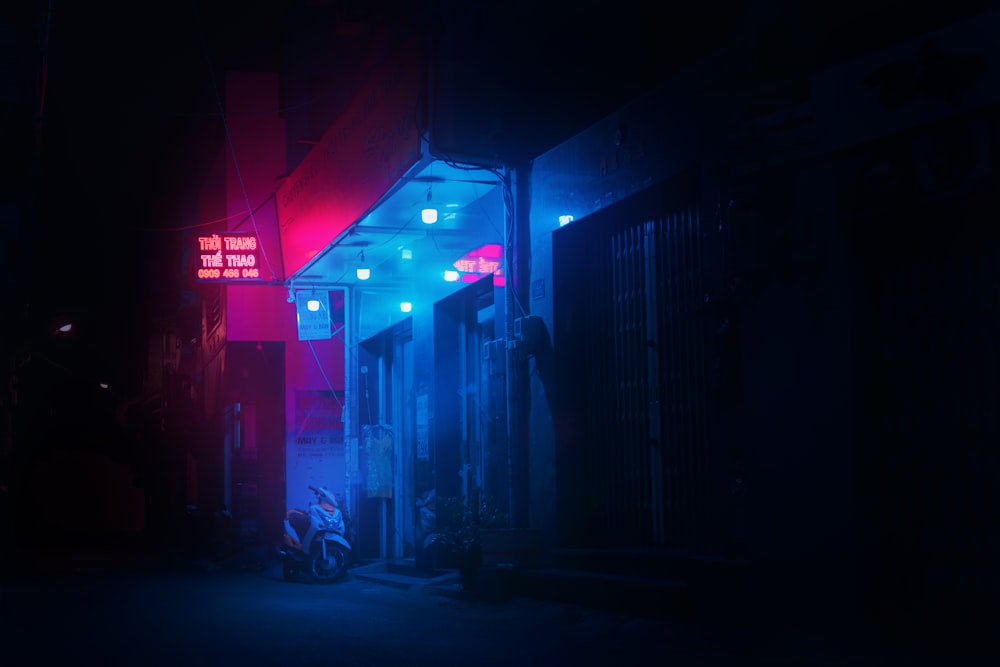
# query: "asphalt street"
(115, 613)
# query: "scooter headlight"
(329, 520)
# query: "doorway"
(386, 450)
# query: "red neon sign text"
(225, 257)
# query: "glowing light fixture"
(66, 328)
(429, 214)
(312, 305)
(451, 276)
(364, 272)
(405, 306)
(565, 220)
(407, 253)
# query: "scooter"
(314, 542)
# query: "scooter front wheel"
(331, 567)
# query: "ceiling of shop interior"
(471, 213)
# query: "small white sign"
(312, 311)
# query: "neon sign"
(484, 259)
(479, 262)
(227, 257)
(479, 265)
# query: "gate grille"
(639, 385)
(683, 369)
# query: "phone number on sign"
(216, 274)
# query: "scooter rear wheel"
(332, 567)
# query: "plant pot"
(511, 547)
(468, 568)
(469, 578)
(496, 583)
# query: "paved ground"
(125, 611)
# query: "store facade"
(376, 315)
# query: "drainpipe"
(350, 401)
(510, 357)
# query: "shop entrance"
(386, 447)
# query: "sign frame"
(228, 257)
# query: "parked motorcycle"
(315, 543)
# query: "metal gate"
(627, 284)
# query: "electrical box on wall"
(530, 331)
(494, 352)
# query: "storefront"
(407, 248)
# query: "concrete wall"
(252, 157)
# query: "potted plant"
(459, 522)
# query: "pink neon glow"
(492, 251)
(481, 261)
(358, 158)
(258, 136)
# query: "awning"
(356, 201)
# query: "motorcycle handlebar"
(324, 492)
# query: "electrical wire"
(486, 213)
(335, 333)
(325, 378)
(85, 378)
(509, 228)
(389, 240)
(255, 114)
(210, 222)
(232, 149)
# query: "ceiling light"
(429, 214)
(405, 306)
(364, 272)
